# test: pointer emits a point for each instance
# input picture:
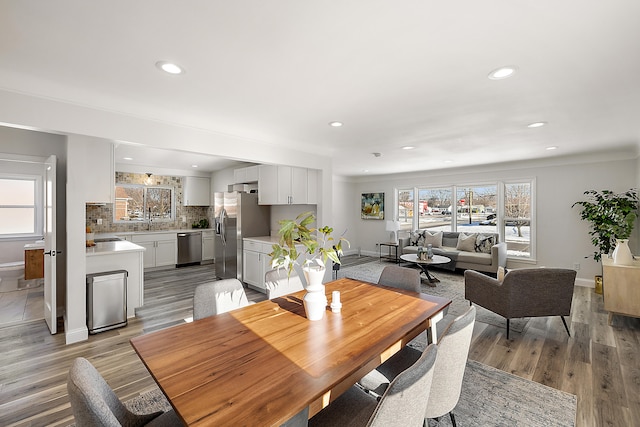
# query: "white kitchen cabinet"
(197, 191)
(161, 248)
(207, 245)
(255, 263)
(312, 186)
(282, 185)
(245, 175)
(99, 166)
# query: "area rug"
(451, 286)
(489, 397)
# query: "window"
(435, 209)
(504, 208)
(20, 210)
(139, 203)
(405, 209)
(517, 218)
(476, 208)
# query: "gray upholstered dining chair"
(526, 292)
(453, 351)
(94, 403)
(402, 404)
(279, 283)
(400, 277)
(218, 297)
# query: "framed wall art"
(372, 206)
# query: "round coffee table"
(424, 264)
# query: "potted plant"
(612, 218)
(298, 238)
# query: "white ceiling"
(395, 72)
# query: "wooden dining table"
(264, 363)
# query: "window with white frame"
(434, 206)
(518, 203)
(405, 209)
(504, 208)
(139, 203)
(21, 213)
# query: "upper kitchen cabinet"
(245, 175)
(312, 187)
(100, 167)
(282, 185)
(197, 191)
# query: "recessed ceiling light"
(127, 158)
(448, 161)
(365, 170)
(408, 147)
(335, 124)
(194, 166)
(169, 67)
(502, 72)
(536, 124)
(553, 147)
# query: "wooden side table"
(621, 289)
(392, 251)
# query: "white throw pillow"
(466, 242)
(434, 239)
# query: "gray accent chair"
(218, 297)
(94, 403)
(527, 292)
(402, 404)
(278, 283)
(453, 351)
(400, 278)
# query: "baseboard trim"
(587, 283)
(76, 335)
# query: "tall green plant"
(611, 216)
(318, 243)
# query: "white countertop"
(122, 246)
(264, 239)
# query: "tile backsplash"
(105, 212)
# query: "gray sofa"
(481, 252)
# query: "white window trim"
(38, 227)
(145, 217)
(500, 200)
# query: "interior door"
(50, 244)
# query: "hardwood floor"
(599, 363)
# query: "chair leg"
(565, 325)
(507, 328)
(453, 419)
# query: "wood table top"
(262, 364)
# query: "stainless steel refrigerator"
(237, 215)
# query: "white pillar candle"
(335, 297)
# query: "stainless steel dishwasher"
(189, 248)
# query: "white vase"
(315, 300)
(622, 254)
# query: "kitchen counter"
(121, 246)
(120, 255)
(264, 239)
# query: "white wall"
(562, 238)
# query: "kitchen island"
(120, 255)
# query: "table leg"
(430, 277)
